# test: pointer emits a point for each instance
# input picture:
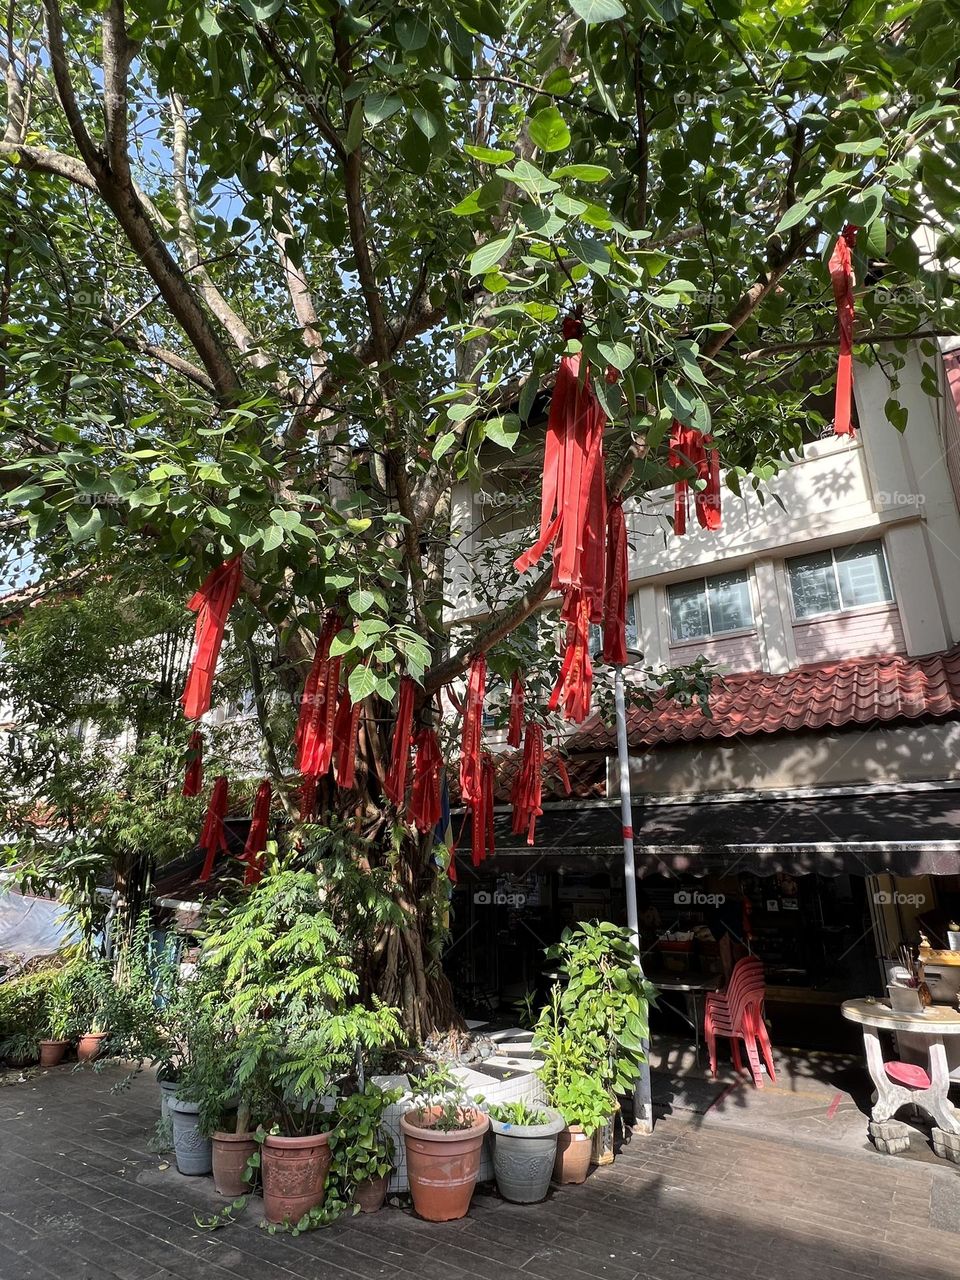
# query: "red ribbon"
(842, 278)
(257, 835)
(470, 781)
(212, 604)
(345, 739)
(575, 681)
(615, 589)
(691, 448)
(395, 783)
(527, 793)
(482, 843)
(318, 706)
(193, 774)
(564, 777)
(308, 798)
(213, 837)
(573, 498)
(424, 810)
(515, 727)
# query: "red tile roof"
(817, 696)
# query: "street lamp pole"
(642, 1096)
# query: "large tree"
(277, 276)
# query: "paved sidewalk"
(81, 1198)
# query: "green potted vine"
(524, 1149)
(92, 998)
(362, 1149)
(443, 1135)
(59, 1016)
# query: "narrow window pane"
(688, 611)
(729, 602)
(633, 630)
(863, 575)
(813, 585)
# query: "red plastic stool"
(906, 1073)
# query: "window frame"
(711, 634)
(877, 605)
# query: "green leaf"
(361, 684)
(271, 537)
(489, 254)
(503, 431)
(443, 445)
(84, 530)
(583, 172)
(597, 11)
(548, 130)
(355, 127)
(488, 155)
(26, 493)
(795, 214)
(616, 353)
(413, 31)
(877, 238)
(378, 107)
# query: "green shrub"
(24, 1013)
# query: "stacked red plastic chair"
(737, 1014)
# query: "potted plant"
(59, 1015)
(362, 1149)
(524, 1150)
(92, 997)
(443, 1134)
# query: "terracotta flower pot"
(52, 1051)
(442, 1167)
(294, 1175)
(231, 1151)
(371, 1194)
(573, 1155)
(89, 1046)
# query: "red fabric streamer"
(564, 777)
(527, 794)
(395, 783)
(308, 798)
(470, 781)
(213, 837)
(615, 589)
(691, 448)
(318, 706)
(257, 835)
(482, 843)
(193, 774)
(575, 681)
(345, 739)
(842, 278)
(515, 727)
(211, 603)
(424, 809)
(573, 498)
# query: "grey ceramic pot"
(168, 1090)
(523, 1156)
(192, 1151)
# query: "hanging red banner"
(689, 448)
(615, 587)
(395, 783)
(424, 810)
(257, 836)
(527, 794)
(212, 604)
(213, 837)
(472, 731)
(515, 726)
(318, 706)
(843, 280)
(193, 774)
(345, 739)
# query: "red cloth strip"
(527, 794)
(842, 278)
(193, 774)
(345, 739)
(482, 842)
(212, 604)
(564, 777)
(308, 798)
(213, 837)
(515, 727)
(318, 705)
(615, 589)
(689, 448)
(424, 809)
(395, 783)
(575, 682)
(470, 782)
(257, 835)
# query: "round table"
(934, 1023)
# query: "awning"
(865, 833)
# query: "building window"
(847, 578)
(710, 606)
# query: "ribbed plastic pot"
(371, 1194)
(52, 1051)
(192, 1151)
(294, 1175)
(231, 1151)
(90, 1045)
(573, 1156)
(524, 1156)
(442, 1167)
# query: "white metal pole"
(642, 1095)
